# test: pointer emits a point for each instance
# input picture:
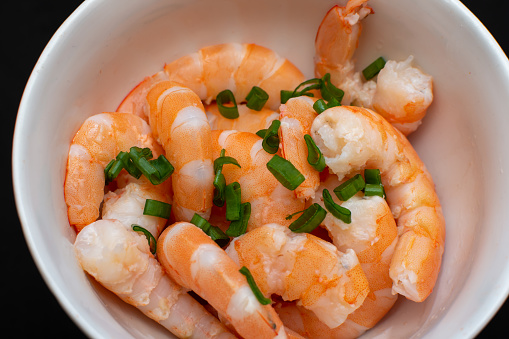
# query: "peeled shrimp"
(270, 200)
(121, 261)
(352, 139)
(233, 66)
(372, 234)
(248, 121)
(196, 262)
(401, 94)
(178, 121)
(301, 266)
(97, 142)
(296, 117)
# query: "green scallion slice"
(270, 141)
(223, 160)
(256, 98)
(374, 68)
(239, 227)
(336, 210)
(285, 172)
(330, 92)
(309, 220)
(350, 187)
(232, 198)
(307, 85)
(315, 156)
(252, 284)
(320, 106)
(374, 189)
(219, 189)
(112, 170)
(261, 133)
(152, 243)
(157, 208)
(157, 170)
(373, 176)
(213, 232)
(225, 97)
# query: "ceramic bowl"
(107, 46)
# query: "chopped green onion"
(256, 291)
(213, 232)
(285, 172)
(314, 83)
(157, 208)
(232, 197)
(256, 98)
(374, 68)
(373, 176)
(336, 210)
(239, 227)
(112, 170)
(223, 160)
(350, 187)
(157, 170)
(270, 141)
(319, 106)
(374, 189)
(127, 162)
(224, 97)
(329, 91)
(261, 133)
(152, 243)
(309, 220)
(315, 156)
(219, 189)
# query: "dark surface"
(31, 307)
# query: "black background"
(27, 26)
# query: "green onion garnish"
(219, 180)
(157, 208)
(157, 170)
(330, 92)
(214, 232)
(232, 198)
(350, 187)
(285, 172)
(152, 243)
(374, 68)
(336, 210)
(270, 141)
(256, 98)
(256, 291)
(314, 83)
(309, 220)
(223, 160)
(374, 189)
(374, 184)
(319, 106)
(261, 133)
(224, 97)
(315, 156)
(239, 227)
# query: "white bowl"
(106, 47)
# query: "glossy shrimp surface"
(97, 142)
(121, 261)
(303, 267)
(196, 262)
(352, 139)
(178, 119)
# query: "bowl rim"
(19, 188)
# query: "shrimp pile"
(213, 214)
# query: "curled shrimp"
(373, 236)
(121, 261)
(352, 139)
(178, 121)
(248, 121)
(270, 200)
(401, 94)
(196, 262)
(296, 117)
(302, 267)
(97, 142)
(233, 66)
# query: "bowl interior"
(106, 47)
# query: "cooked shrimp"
(126, 204)
(233, 66)
(196, 262)
(352, 139)
(373, 235)
(336, 41)
(296, 117)
(248, 121)
(300, 266)
(178, 121)
(270, 200)
(121, 261)
(403, 94)
(97, 142)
